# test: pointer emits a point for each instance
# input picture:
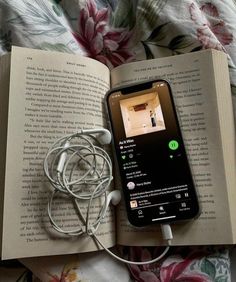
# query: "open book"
(53, 94)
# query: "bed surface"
(131, 30)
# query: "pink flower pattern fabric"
(193, 265)
(100, 41)
(211, 30)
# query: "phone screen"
(154, 169)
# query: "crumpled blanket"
(115, 32)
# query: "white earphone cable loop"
(60, 164)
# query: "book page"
(192, 80)
(226, 120)
(51, 95)
(4, 82)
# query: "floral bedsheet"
(115, 32)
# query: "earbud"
(66, 155)
(104, 135)
(114, 197)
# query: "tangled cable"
(78, 167)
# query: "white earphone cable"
(61, 161)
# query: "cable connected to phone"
(80, 170)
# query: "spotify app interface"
(155, 173)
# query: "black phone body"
(155, 174)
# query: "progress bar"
(156, 219)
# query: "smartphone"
(155, 174)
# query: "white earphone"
(113, 197)
(73, 152)
(103, 137)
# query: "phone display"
(155, 174)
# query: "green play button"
(173, 145)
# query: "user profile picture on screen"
(142, 114)
(131, 185)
